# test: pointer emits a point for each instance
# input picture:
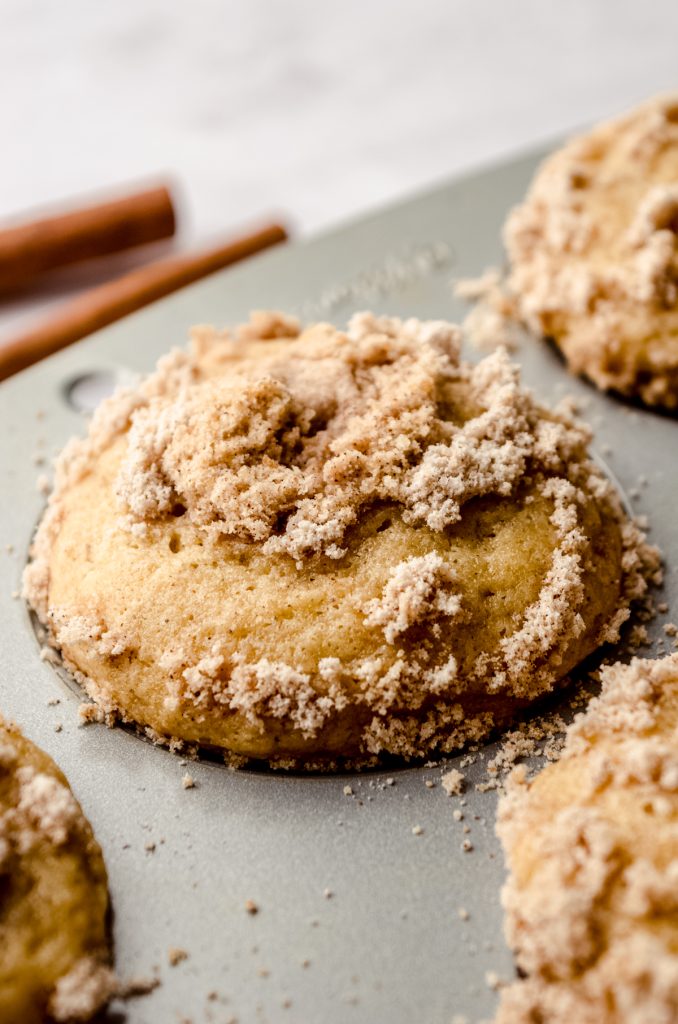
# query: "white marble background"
(310, 110)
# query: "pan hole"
(86, 391)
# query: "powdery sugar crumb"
(417, 588)
(453, 782)
(48, 806)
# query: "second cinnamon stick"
(101, 306)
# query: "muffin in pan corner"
(593, 252)
(592, 847)
(309, 545)
(53, 913)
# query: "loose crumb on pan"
(251, 907)
(453, 782)
(175, 955)
(187, 781)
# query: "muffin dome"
(316, 544)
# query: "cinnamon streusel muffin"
(53, 912)
(592, 845)
(594, 253)
(311, 544)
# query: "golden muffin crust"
(53, 911)
(592, 846)
(594, 253)
(310, 544)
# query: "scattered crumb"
(175, 955)
(463, 913)
(251, 907)
(348, 791)
(453, 782)
(187, 781)
(136, 986)
(417, 830)
(638, 637)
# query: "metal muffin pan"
(388, 946)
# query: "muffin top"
(594, 253)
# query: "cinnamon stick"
(108, 302)
(28, 250)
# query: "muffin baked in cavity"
(594, 253)
(53, 911)
(316, 544)
(592, 845)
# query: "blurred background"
(306, 111)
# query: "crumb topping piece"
(417, 588)
(78, 995)
(286, 452)
(453, 782)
